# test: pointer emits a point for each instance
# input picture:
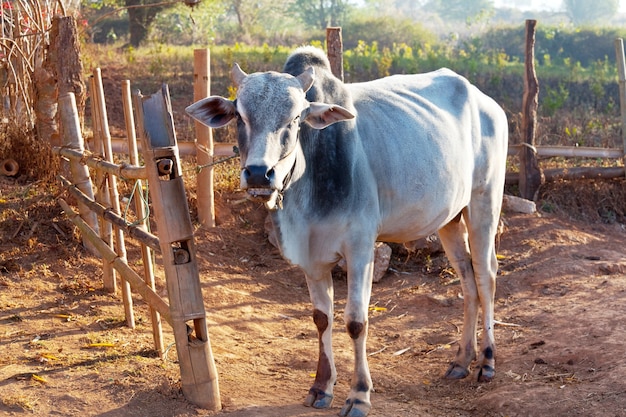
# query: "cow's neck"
(323, 172)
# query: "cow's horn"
(306, 78)
(237, 74)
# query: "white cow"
(412, 155)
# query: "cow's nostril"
(270, 174)
(258, 175)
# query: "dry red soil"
(560, 300)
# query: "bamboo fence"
(103, 228)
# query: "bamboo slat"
(146, 253)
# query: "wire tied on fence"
(531, 147)
(219, 161)
(143, 195)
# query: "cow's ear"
(213, 111)
(306, 79)
(320, 115)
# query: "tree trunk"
(140, 17)
(60, 73)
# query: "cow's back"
(430, 140)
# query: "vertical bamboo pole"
(621, 69)
(73, 139)
(334, 47)
(106, 229)
(146, 253)
(114, 197)
(204, 141)
(531, 177)
(171, 212)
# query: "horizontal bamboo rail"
(126, 171)
(184, 148)
(589, 173)
(135, 232)
(572, 151)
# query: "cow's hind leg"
(454, 239)
(321, 292)
(360, 270)
(482, 223)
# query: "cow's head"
(269, 109)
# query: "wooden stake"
(106, 230)
(171, 211)
(531, 177)
(73, 139)
(621, 69)
(334, 46)
(142, 215)
(204, 139)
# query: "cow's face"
(269, 109)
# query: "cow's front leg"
(321, 292)
(359, 290)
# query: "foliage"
(556, 46)
(182, 25)
(582, 12)
(321, 13)
(385, 30)
(461, 10)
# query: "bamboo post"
(531, 177)
(73, 139)
(334, 47)
(621, 69)
(146, 253)
(171, 211)
(114, 198)
(204, 139)
(106, 230)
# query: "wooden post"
(204, 139)
(334, 46)
(531, 177)
(146, 253)
(73, 139)
(621, 69)
(120, 246)
(171, 211)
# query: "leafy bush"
(556, 45)
(385, 31)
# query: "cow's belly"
(422, 219)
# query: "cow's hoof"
(486, 373)
(456, 371)
(355, 408)
(318, 399)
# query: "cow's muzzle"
(258, 180)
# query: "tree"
(589, 11)
(251, 14)
(460, 9)
(141, 14)
(321, 13)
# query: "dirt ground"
(65, 350)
